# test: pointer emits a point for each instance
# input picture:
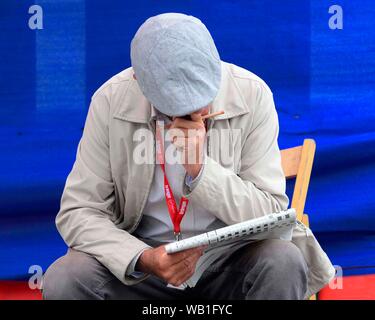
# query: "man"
(114, 215)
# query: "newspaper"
(221, 241)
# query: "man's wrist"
(142, 262)
(192, 182)
(194, 170)
(131, 270)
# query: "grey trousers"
(267, 269)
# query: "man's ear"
(134, 77)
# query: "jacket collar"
(136, 108)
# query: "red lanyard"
(176, 215)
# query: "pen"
(207, 116)
(214, 114)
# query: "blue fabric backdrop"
(323, 82)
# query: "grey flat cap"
(176, 63)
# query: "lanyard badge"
(175, 214)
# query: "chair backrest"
(297, 163)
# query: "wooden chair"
(297, 163)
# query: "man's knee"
(283, 257)
(281, 268)
(70, 277)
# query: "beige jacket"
(106, 190)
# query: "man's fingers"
(187, 124)
(180, 266)
(184, 270)
(182, 137)
(192, 260)
(180, 277)
(197, 117)
(180, 256)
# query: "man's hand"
(174, 268)
(188, 136)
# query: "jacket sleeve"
(259, 187)
(85, 219)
